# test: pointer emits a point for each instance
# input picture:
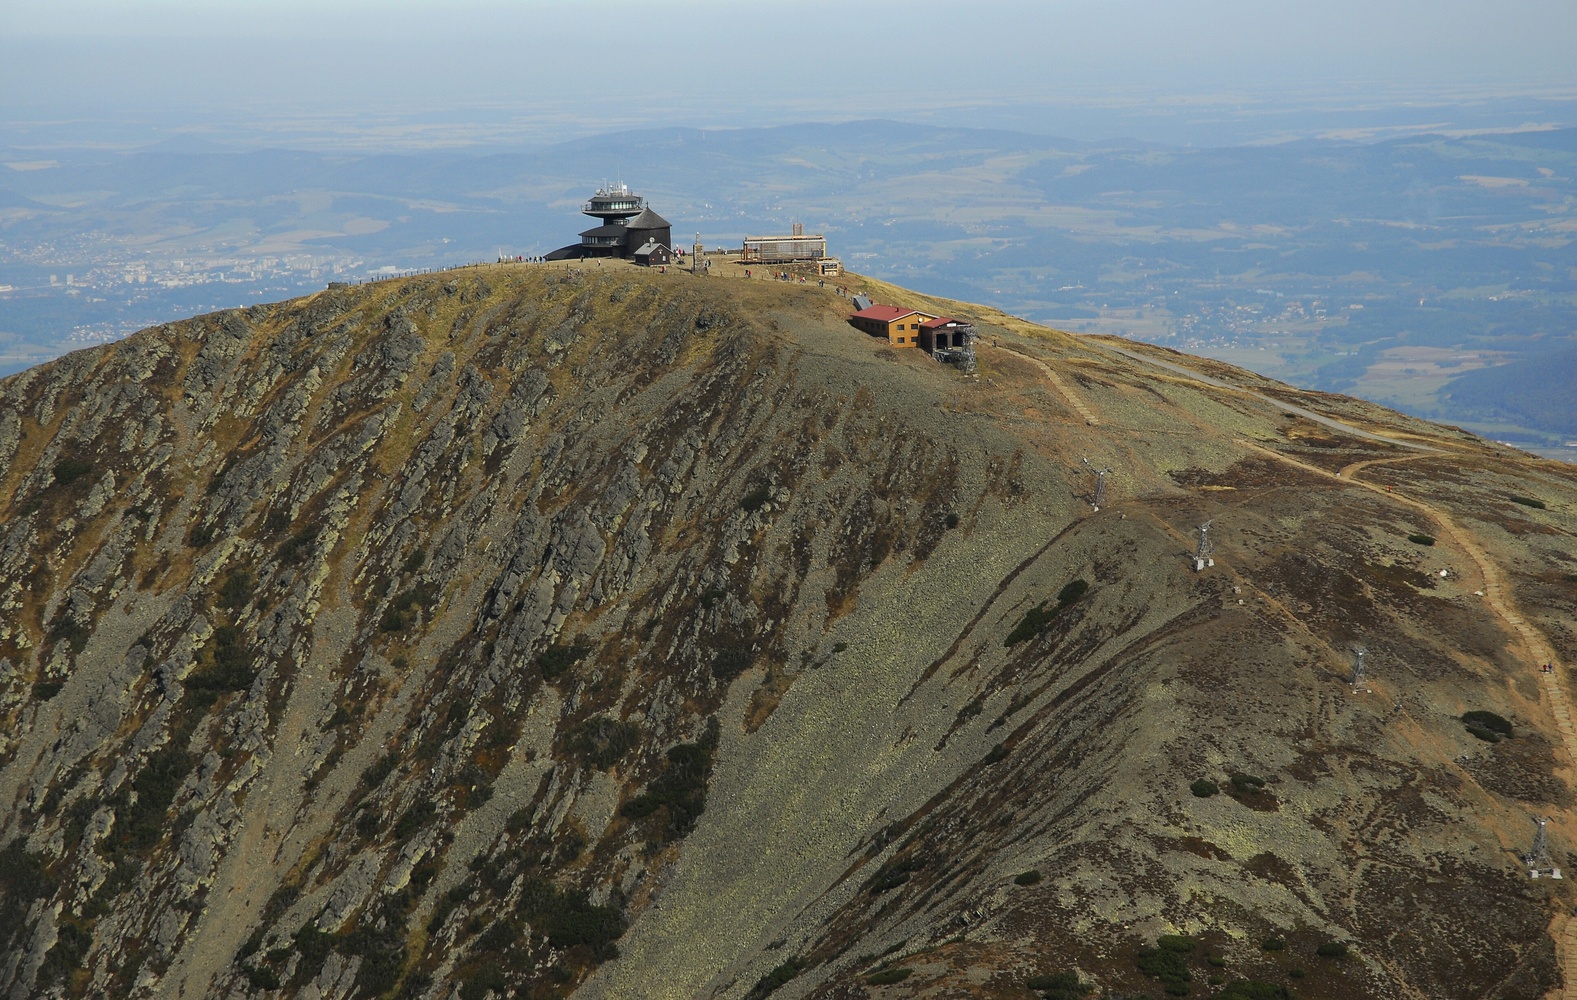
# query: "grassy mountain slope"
(631, 634)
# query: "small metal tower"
(1358, 673)
(1538, 860)
(1099, 496)
(1205, 548)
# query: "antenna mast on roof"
(1538, 860)
(1099, 496)
(1205, 548)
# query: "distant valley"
(1405, 271)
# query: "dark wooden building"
(652, 253)
(628, 224)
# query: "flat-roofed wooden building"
(794, 248)
(900, 326)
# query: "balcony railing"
(597, 205)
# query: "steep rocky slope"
(533, 631)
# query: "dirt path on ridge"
(1497, 595)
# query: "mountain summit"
(527, 631)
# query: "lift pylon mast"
(1097, 497)
(1204, 549)
(1538, 860)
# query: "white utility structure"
(1202, 552)
(1538, 860)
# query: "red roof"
(884, 314)
(941, 321)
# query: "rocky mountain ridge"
(533, 631)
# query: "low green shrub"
(1331, 949)
(996, 753)
(1247, 989)
(401, 612)
(1274, 944)
(1204, 788)
(414, 818)
(1060, 986)
(1420, 538)
(887, 977)
(201, 536)
(1072, 592)
(567, 918)
(1167, 966)
(1027, 878)
(379, 769)
(69, 470)
(229, 667)
(414, 562)
(261, 977)
(1177, 943)
(602, 741)
(755, 499)
(68, 630)
(500, 935)
(236, 590)
(45, 690)
(1487, 720)
(1247, 782)
(1217, 961)
(1037, 618)
(1528, 502)
(1487, 735)
(779, 976)
(730, 662)
(489, 978)
(1296, 972)
(557, 659)
(144, 824)
(23, 879)
(895, 873)
(681, 788)
(65, 956)
(295, 549)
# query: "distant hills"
(1537, 392)
(1300, 259)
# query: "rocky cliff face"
(536, 631)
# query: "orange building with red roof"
(900, 326)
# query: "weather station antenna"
(1202, 552)
(1097, 497)
(1538, 860)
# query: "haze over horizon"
(489, 72)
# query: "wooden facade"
(901, 327)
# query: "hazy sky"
(692, 60)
